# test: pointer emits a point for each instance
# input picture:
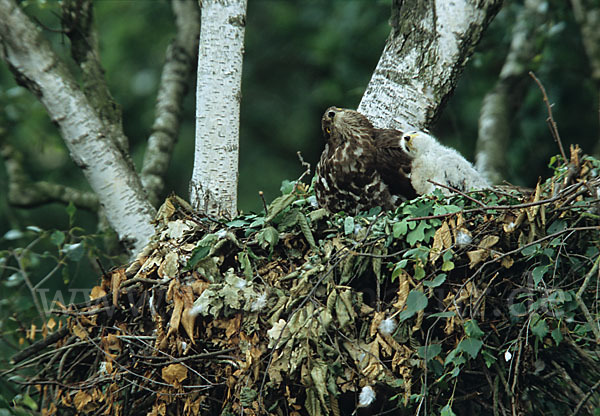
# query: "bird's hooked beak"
(407, 141)
(328, 119)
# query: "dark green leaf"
(416, 301)
(439, 279)
(471, 346)
(57, 238)
(472, 329)
(198, 254)
(431, 351)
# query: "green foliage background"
(301, 57)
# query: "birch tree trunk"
(35, 66)
(213, 188)
(506, 97)
(428, 47)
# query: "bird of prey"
(430, 160)
(361, 166)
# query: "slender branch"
(550, 119)
(179, 66)
(24, 192)
(458, 192)
(578, 297)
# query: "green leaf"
(447, 266)
(71, 210)
(539, 327)
(398, 269)
(198, 254)
(472, 329)
(556, 226)
(57, 238)
(418, 234)
(419, 272)
(557, 335)
(268, 237)
(400, 228)
(439, 279)
(287, 186)
(349, 225)
(237, 223)
(278, 205)
(447, 411)
(538, 274)
(488, 357)
(415, 301)
(471, 346)
(530, 250)
(431, 351)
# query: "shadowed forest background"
(300, 58)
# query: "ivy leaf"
(418, 234)
(198, 254)
(557, 335)
(415, 301)
(400, 228)
(471, 346)
(539, 328)
(431, 351)
(472, 329)
(538, 274)
(439, 279)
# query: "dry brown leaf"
(111, 343)
(80, 332)
(174, 374)
(532, 211)
(489, 241)
(377, 318)
(81, 400)
(403, 290)
(97, 292)
(182, 298)
(116, 278)
(477, 256)
(169, 266)
(442, 239)
(507, 262)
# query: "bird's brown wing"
(393, 163)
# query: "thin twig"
(458, 192)
(550, 119)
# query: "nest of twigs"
(485, 303)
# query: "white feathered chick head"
(416, 142)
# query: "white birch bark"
(430, 43)
(34, 64)
(213, 188)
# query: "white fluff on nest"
(436, 162)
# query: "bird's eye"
(407, 137)
(331, 114)
(328, 130)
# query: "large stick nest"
(484, 303)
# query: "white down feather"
(441, 164)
